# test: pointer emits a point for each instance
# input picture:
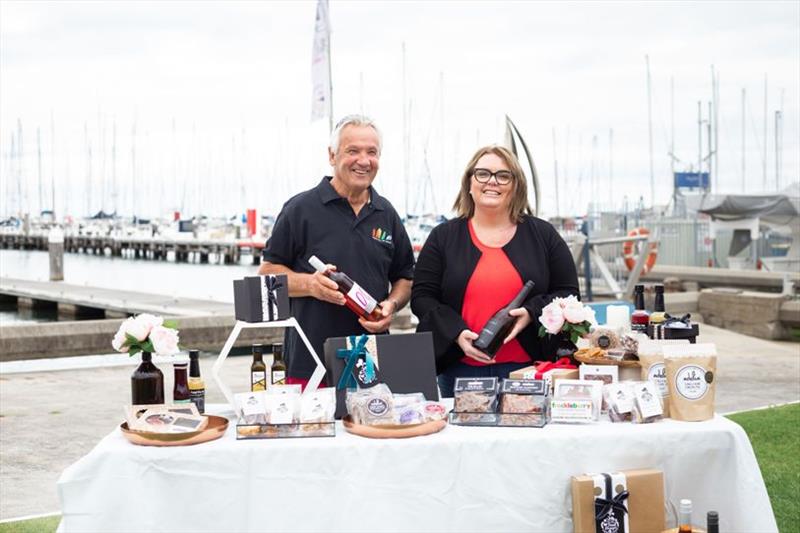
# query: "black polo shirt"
(372, 248)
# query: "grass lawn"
(775, 434)
(35, 525)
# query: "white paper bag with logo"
(691, 376)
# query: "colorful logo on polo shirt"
(380, 235)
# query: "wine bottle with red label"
(355, 297)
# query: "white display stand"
(291, 322)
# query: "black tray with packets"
(512, 403)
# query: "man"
(348, 225)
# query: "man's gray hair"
(353, 120)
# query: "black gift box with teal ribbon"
(261, 298)
(403, 362)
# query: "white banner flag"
(320, 65)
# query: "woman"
(475, 264)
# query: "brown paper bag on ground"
(645, 503)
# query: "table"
(461, 479)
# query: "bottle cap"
(257, 348)
(712, 518)
(194, 354)
(686, 506)
(659, 288)
(317, 264)
(638, 288)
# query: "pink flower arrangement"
(567, 315)
(147, 333)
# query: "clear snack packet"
(619, 398)
(647, 405)
(319, 406)
(372, 406)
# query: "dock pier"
(156, 248)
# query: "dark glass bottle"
(496, 329)
(197, 388)
(658, 315)
(180, 390)
(640, 318)
(258, 370)
(355, 297)
(147, 382)
(712, 522)
(278, 370)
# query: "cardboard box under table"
(404, 362)
(631, 501)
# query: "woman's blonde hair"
(464, 205)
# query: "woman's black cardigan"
(449, 258)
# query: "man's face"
(355, 163)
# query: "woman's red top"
(493, 284)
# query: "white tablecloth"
(461, 479)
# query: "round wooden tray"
(393, 431)
(215, 429)
(605, 361)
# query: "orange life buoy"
(629, 249)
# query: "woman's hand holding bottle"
(523, 318)
(465, 339)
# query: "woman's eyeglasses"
(502, 177)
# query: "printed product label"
(657, 373)
(476, 384)
(690, 381)
(377, 407)
(258, 381)
(647, 400)
(620, 398)
(362, 298)
(198, 397)
(523, 386)
(278, 377)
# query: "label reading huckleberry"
(658, 375)
(362, 298)
(691, 382)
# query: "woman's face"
(492, 195)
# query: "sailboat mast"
(611, 169)
(555, 171)
(405, 131)
(650, 133)
(39, 164)
(53, 164)
(766, 138)
(114, 166)
(330, 75)
(744, 140)
(19, 158)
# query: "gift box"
(405, 363)
(675, 328)
(630, 501)
(549, 371)
(261, 298)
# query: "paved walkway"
(112, 299)
(49, 419)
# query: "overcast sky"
(219, 96)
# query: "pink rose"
(573, 311)
(552, 318)
(148, 321)
(165, 340)
(119, 339)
